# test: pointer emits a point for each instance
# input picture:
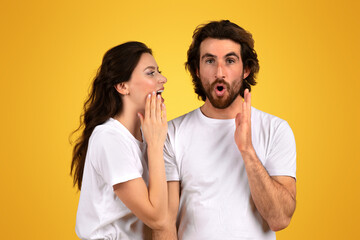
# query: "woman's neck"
(129, 118)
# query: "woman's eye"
(152, 73)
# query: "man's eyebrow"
(232, 54)
(150, 67)
(208, 55)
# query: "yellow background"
(309, 75)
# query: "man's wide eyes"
(230, 60)
(209, 61)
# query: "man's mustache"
(220, 81)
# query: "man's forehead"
(219, 47)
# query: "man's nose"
(220, 71)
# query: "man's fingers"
(245, 111)
(246, 107)
(248, 100)
(237, 119)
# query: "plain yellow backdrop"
(309, 76)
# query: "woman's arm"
(169, 232)
(150, 204)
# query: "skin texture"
(142, 107)
(221, 65)
(274, 197)
(146, 78)
(168, 232)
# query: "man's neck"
(227, 113)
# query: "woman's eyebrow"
(150, 67)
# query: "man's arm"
(274, 197)
(170, 233)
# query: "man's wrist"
(248, 153)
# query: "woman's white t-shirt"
(114, 156)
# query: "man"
(227, 179)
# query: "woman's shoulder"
(108, 132)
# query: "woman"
(122, 177)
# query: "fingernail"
(149, 95)
(158, 96)
(153, 93)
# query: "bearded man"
(231, 169)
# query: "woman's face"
(145, 79)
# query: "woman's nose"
(162, 79)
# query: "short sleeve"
(114, 158)
(281, 157)
(171, 166)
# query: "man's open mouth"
(220, 90)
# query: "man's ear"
(197, 72)
(246, 72)
(122, 88)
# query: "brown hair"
(104, 101)
(223, 29)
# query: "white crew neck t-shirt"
(114, 155)
(201, 153)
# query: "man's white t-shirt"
(215, 200)
(113, 156)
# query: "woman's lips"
(160, 92)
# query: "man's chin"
(220, 103)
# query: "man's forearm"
(274, 200)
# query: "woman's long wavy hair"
(104, 101)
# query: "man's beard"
(226, 100)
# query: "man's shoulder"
(183, 118)
(264, 117)
(268, 123)
(184, 123)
